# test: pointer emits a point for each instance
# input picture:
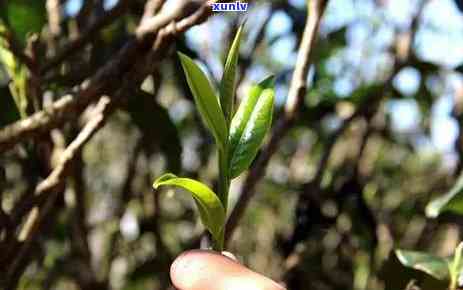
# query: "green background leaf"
(23, 16)
(397, 276)
(17, 72)
(431, 265)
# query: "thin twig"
(54, 16)
(151, 8)
(52, 185)
(76, 45)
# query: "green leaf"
(227, 85)
(206, 100)
(23, 16)
(249, 126)
(432, 265)
(16, 71)
(157, 128)
(396, 275)
(210, 208)
(451, 201)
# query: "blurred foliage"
(374, 110)
(23, 17)
(144, 112)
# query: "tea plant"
(238, 136)
(444, 269)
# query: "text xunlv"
(232, 6)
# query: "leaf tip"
(399, 254)
(432, 211)
(268, 82)
(183, 57)
(161, 179)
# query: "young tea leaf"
(432, 265)
(451, 201)
(206, 100)
(249, 126)
(209, 206)
(227, 85)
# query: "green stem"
(217, 245)
(224, 182)
(455, 267)
(223, 188)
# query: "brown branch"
(54, 17)
(86, 36)
(298, 85)
(151, 8)
(297, 91)
(56, 177)
(51, 186)
(163, 29)
(124, 71)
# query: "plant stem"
(455, 267)
(224, 182)
(217, 245)
(223, 187)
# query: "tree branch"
(78, 43)
(162, 29)
(151, 8)
(54, 16)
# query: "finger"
(207, 270)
